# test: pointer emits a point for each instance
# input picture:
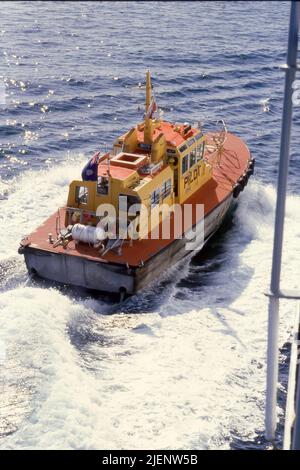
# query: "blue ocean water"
(74, 376)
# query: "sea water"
(182, 364)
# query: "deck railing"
(276, 292)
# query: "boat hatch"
(129, 160)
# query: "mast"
(148, 119)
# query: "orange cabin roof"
(173, 137)
(117, 172)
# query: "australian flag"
(90, 170)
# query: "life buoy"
(173, 160)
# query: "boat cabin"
(154, 163)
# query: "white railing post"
(272, 353)
(272, 369)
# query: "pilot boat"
(163, 190)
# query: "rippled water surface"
(182, 364)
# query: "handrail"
(291, 423)
(275, 293)
(80, 209)
(296, 424)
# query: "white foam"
(188, 374)
(33, 197)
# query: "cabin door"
(176, 182)
(125, 202)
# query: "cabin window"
(81, 194)
(185, 164)
(166, 188)
(144, 146)
(200, 149)
(191, 141)
(192, 158)
(183, 148)
(102, 185)
(155, 195)
(126, 201)
(199, 136)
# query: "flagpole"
(148, 121)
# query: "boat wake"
(88, 373)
